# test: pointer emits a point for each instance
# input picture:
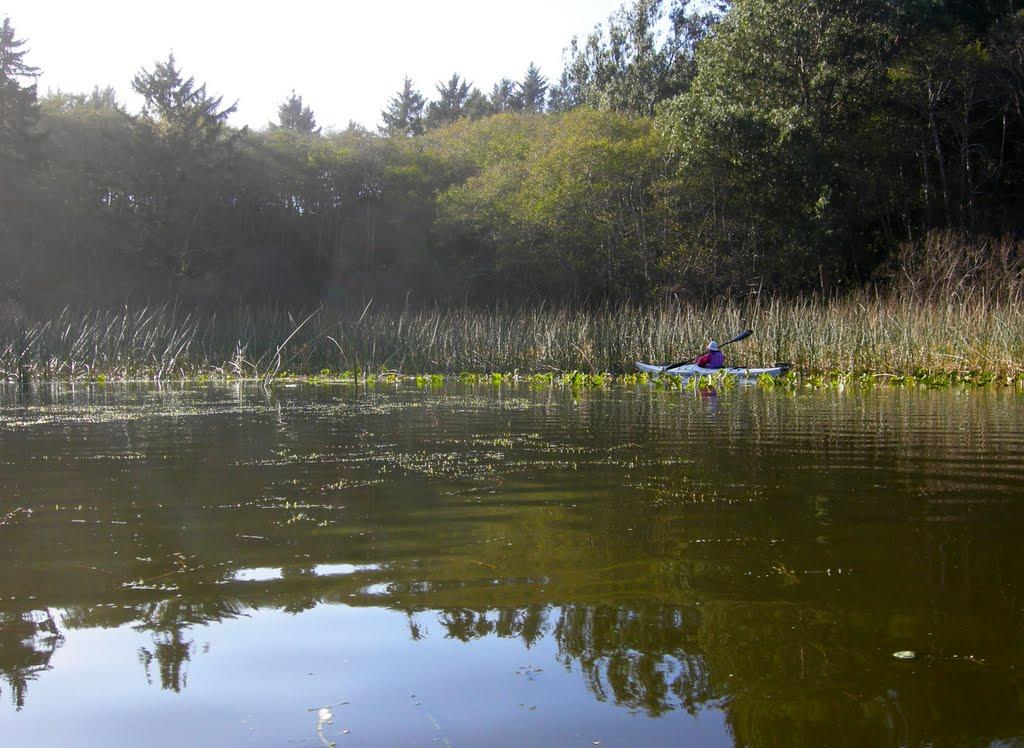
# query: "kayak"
(692, 370)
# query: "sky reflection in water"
(468, 566)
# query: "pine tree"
(292, 115)
(19, 107)
(355, 128)
(533, 90)
(451, 103)
(477, 105)
(457, 99)
(186, 147)
(404, 115)
(505, 97)
(20, 158)
(176, 103)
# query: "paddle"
(742, 336)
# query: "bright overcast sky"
(345, 58)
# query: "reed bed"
(891, 336)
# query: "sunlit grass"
(859, 341)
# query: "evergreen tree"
(505, 97)
(451, 103)
(185, 144)
(457, 99)
(176, 104)
(404, 115)
(806, 141)
(477, 105)
(293, 115)
(20, 157)
(355, 128)
(19, 108)
(533, 90)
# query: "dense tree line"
(785, 145)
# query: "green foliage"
(94, 218)
(563, 96)
(533, 90)
(958, 93)
(563, 203)
(456, 99)
(404, 115)
(505, 97)
(815, 133)
(640, 60)
(795, 147)
(61, 102)
(772, 140)
(177, 106)
(19, 108)
(20, 158)
(185, 148)
(294, 115)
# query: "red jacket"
(712, 360)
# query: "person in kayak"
(713, 358)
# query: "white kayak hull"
(692, 370)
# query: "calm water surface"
(505, 567)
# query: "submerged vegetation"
(843, 340)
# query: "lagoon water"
(474, 565)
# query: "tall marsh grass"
(896, 336)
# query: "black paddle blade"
(742, 336)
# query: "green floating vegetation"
(575, 380)
(867, 380)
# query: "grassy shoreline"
(855, 339)
(574, 380)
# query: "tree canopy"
(294, 115)
(404, 115)
(787, 146)
(19, 108)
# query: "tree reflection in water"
(671, 566)
(769, 665)
(28, 640)
(639, 658)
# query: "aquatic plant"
(857, 340)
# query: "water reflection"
(751, 554)
(28, 640)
